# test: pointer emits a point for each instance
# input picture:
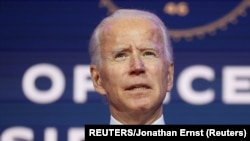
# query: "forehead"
(136, 31)
(124, 25)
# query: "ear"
(96, 79)
(170, 76)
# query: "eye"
(120, 55)
(149, 53)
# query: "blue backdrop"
(45, 90)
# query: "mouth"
(138, 87)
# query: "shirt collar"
(159, 121)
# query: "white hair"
(94, 46)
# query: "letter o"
(43, 96)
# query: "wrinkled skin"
(134, 74)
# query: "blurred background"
(45, 90)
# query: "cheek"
(112, 73)
(157, 68)
(159, 72)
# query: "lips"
(137, 87)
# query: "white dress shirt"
(159, 121)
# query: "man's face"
(134, 74)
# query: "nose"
(137, 66)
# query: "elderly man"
(132, 66)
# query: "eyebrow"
(121, 49)
(149, 48)
(127, 49)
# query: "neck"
(137, 118)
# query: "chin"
(142, 107)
